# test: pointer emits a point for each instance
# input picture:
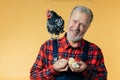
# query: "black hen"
(55, 24)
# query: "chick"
(73, 63)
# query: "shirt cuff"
(53, 70)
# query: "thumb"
(59, 57)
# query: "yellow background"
(23, 30)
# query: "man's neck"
(74, 44)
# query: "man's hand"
(82, 67)
(61, 65)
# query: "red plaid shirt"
(43, 66)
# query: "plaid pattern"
(43, 69)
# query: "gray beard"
(77, 38)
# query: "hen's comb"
(48, 13)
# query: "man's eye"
(84, 25)
(75, 21)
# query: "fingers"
(74, 68)
(82, 64)
(61, 65)
(64, 69)
(59, 57)
(82, 67)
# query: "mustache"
(76, 31)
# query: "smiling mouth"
(75, 32)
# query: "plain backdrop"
(23, 30)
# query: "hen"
(55, 24)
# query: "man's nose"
(76, 27)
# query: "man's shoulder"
(92, 45)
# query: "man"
(90, 61)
